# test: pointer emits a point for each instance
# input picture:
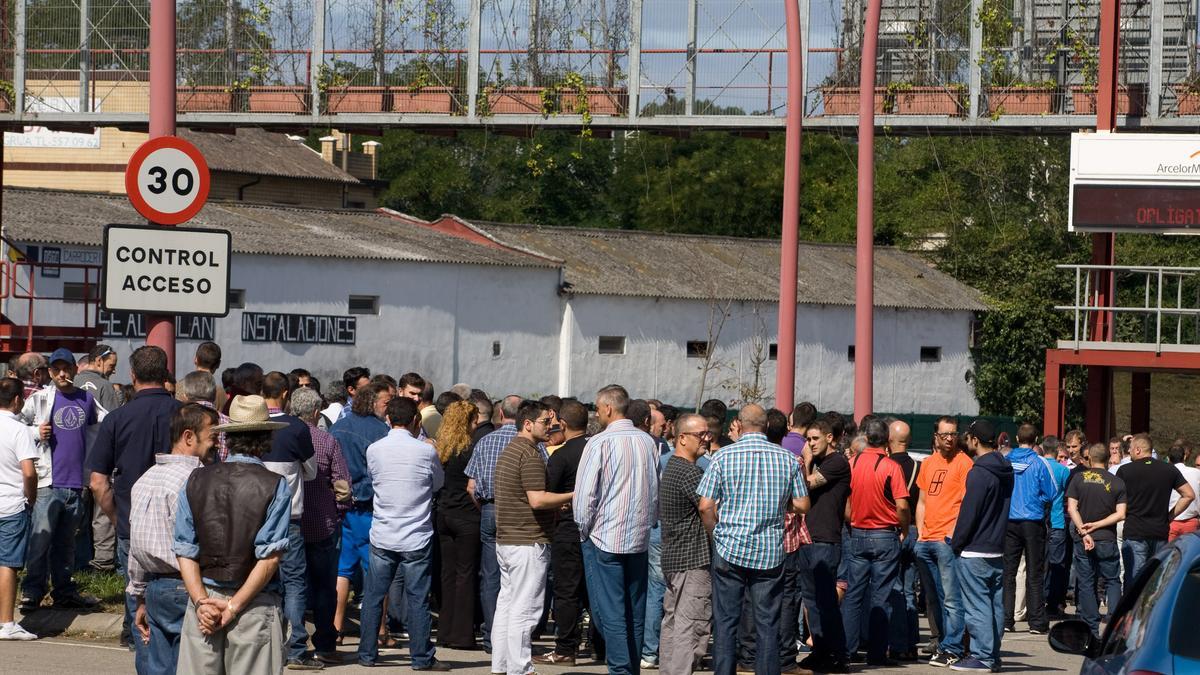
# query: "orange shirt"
(943, 484)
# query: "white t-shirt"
(16, 445)
(1192, 475)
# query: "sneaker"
(647, 664)
(931, 649)
(971, 666)
(1038, 631)
(556, 659)
(943, 659)
(305, 663)
(13, 631)
(77, 602)
(434, 666)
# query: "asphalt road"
(1022, 653)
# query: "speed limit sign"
(167, 180)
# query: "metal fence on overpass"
(945, 65)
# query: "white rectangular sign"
(1135, 182)
(166, 270)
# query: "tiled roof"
(258, 152)
(638, 263)
(61, 217)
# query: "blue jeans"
(416, 568)
(616, 586)
(730, 584)
(166, 603)
(140, 653)
(50, 553)
(938, 559)
(1099, 566)
(874, 564)
(656, 588)
(1135, 553)
(489, 570)
(902, 631)
(1058, 567)
(818, 586)
(320, 564)
(981, 581)
(293, 574)
(790, 614)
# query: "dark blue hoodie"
(983, 517)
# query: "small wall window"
(237, 298)
(850, 353)
(496, 349)
(364, 304)
(78, 292)
(697, 349)
(612, 344)
(931, 354)
(772, 352)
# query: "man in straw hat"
(231, 529)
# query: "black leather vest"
(229, 504)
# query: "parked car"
(1154, 628)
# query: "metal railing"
(1152, 286)
(11, 288)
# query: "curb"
(48, 622)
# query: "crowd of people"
(779, 542)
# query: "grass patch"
(108, 587)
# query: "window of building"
(237, 298)
(496, 349)
(772, 352)
(79, 292)
(850, 353)
(697, 349)
(931, 354)
(612, 344)
(364, 304)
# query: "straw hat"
(248, 413)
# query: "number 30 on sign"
(167, 180)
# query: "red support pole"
(1052, 401)
(160, 329)
(864, 275)
(1099, 394)
(785, 371)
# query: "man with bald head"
(902, 637)
(615, 504)
(480, 472)
(33, 371)
(744, 495)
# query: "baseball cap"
(62, 354)
(983, 431)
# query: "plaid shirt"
(684, 541)
(753, 482)
(322, 512)
(482, 466)
(152, 519)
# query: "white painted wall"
(441, 320)
(657, 331)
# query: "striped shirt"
(152, 519)
(616, 489)
(753, 482)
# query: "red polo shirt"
(876, 482)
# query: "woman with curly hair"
(458, 529)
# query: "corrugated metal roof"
(61, 217)
(648, 264)
(259, 152)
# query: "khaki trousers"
(251, 645)
(687, 616)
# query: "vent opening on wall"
(772, 352)
(364, 304)
(496, 348)
(78, 292)
(931, 354)
(697, 349)
(237, 298)
(850, 353)
(612, 344)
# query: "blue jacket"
(354, 433)
(1060, 475)
(983, 517)
(1033, 486)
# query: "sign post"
(160, 330)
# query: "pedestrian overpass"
(945, 66)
